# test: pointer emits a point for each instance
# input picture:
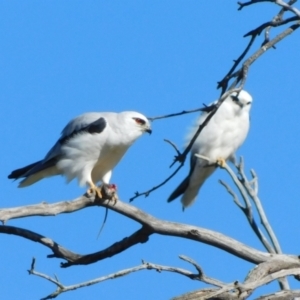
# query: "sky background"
(59, 59)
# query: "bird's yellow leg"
(221, 162)
(94, 189)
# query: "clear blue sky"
(59, 59)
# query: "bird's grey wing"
(76, 126)
(89, 123)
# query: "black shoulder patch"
(96, 127)
(208, 109)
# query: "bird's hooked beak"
(148, 129)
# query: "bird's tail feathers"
(191, 193)
(189, 196)
(35, 172)
(19, 173)
(180, 189)
(31, 179)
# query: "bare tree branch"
(246, 188)
(260, 275)
(147, 193)
(284, 5)
(150, 225)
(247, 287)
(247, 209)
(174, 114)
(270, 266)
(58, 250)
(273, 23)
(144, 266)
(259, 207)
(201, 275)
(282, 295)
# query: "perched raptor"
(89, 148)
(219, 139)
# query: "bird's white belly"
(221, 141)
(106, 163)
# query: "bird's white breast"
(224, 134)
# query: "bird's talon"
(95, 190)
(114, 199)
(221, 162)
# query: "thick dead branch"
(200, 294)
(58, 250)
(282, 295)
(262, 274)
(150, 225)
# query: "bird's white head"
(243, 100)
(136, 122)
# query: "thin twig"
(173, 145)
(281, 3)
(224, 82)
(144, 266)
(247, 209)
(201, 275)
(174, 114)
(252, 192)
(260, 209)
(147, 193)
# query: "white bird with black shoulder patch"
(218, 141)
(89, 148)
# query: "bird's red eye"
(139, 121)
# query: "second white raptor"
(218, 141)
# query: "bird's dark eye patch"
(139, 121)
(248, 102)
(235, 98)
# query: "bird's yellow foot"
(95, 190)
(221, 162)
